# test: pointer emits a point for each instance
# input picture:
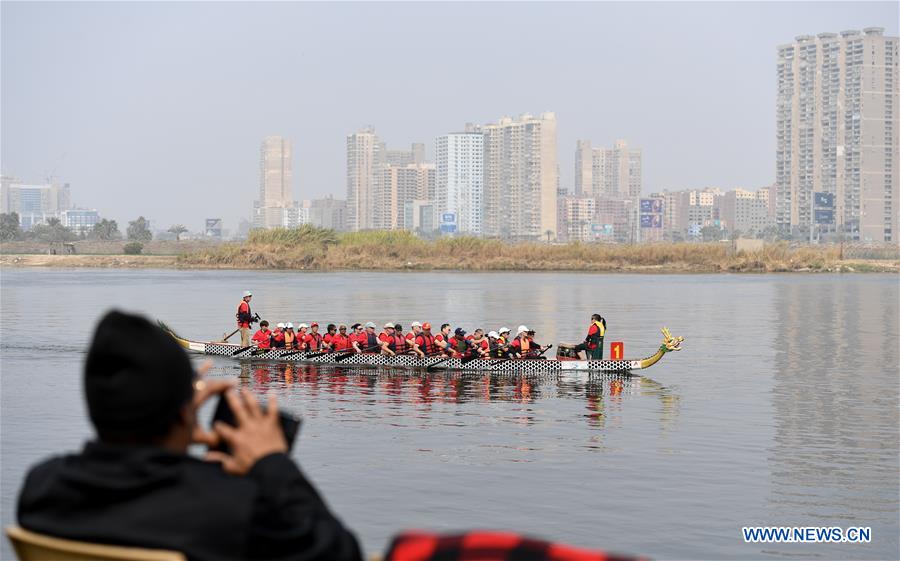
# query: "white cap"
(289, 325)
(494, 335)
(302, 325)
(523, 329)
(370, 324)
(280, 325)
(247, 293)
(503, 330)
(389, 324)
(415, 324)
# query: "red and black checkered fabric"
(488, 546)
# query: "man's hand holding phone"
(257, 433)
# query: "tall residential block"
(276, 188)
(576, 218)
(837, 132)
(395, 187)
(608, 172)
(520, 178)
(459, 188)
(363, 154)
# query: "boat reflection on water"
(603, 393)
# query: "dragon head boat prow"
(670, 343)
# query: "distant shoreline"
(179, 262)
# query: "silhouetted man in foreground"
(135, 485)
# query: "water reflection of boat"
(448, 387)
(410, 362)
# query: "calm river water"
(782, 409)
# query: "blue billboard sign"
(825, 216)
(448, 228)
(448, 218)
(651, 221)
(651, 206)
(824, 200)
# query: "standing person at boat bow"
(245, 318)
(263, 337)
(593, 343)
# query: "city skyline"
(185, 144)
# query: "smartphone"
(290, 425)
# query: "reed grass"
(308, 248)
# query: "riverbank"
(480, 255)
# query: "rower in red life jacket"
(425, 341)
(458, 345)
(401, 342)
(290, 338)
(245, 318)
(340, 341)
(416, 330)
(441, 339)
(302, 337)
(357, 337)
(330, 332)
(479, 342)
(372, 343)
(314, 341)
(386, 340)
(593, 343)
(278, 337)
(263, 338)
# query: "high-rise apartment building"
(459, 188)
(276, 188)
(520, 177)
(576, 218)
(363, 156)
(605, 172)
(397, 185)
(837, 132)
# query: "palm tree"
(177, 229)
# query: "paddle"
(540, 354)
(351, 353)
(292, 353)
(226, 337)
(242, 349)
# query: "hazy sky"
(159, 108)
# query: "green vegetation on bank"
(311, 248)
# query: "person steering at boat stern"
(593, 343)
(136, 485)
(245, 318)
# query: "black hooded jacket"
(150, 497)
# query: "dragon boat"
(550, 365)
